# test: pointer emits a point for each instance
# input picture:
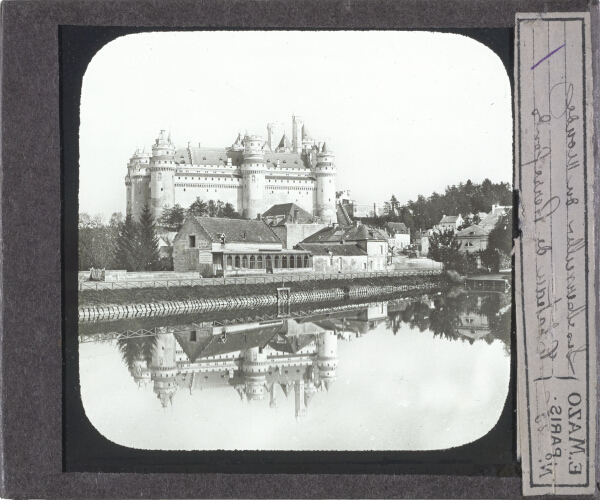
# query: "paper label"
(555, 253)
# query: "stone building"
(234, 247)
(291, 223)
(473, 239)
(400, 234)
(347, 249)
(251, 174)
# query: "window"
(252, 262)
(292, 262)
(469, 244)
(237, 261)
(193, 336)
(245, 262)
(229, 261)
(259, 262)
(192, 241)
(306, 261)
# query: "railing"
(246, 280)
(301, 313)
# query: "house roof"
(337, 250)
(218, 156)
(237, 230)
(492, 218)
(343, 217)
(232, 342)
(472, 232)
(398, 227)
(448, 219)
(289, 214)
(345, 233)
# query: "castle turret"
(164, 367)
(271, 128)
(254, 369)
(162, 174)
(297, 123)
(307, 140)
(327, 360)
(326, 173)
(137, 182)
(140, 372)
(300, 409)
(253, 174)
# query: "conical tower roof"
(328, 384)
(306, 134)
(325, 149)
(285, 142)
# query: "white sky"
(429, 393)
(405, 113)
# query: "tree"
(215, 208)
(497, 253)
(96, 242)
(126, 245)
(229, 212)
(148, 256)
(172, 218)
(198, 209)
(445, 248)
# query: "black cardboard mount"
(32, 349)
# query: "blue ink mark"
(542, 60)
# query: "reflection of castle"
(252, 358)
(298, 356)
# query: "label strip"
(555, 253)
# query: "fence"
(246, 280)
(270, 318)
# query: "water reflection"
(265, 361)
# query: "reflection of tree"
(136, 349)
(444, 319)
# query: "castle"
(252, 175)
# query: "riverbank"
(108, 304)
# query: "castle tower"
(253, 174)
(297, 123)
(307, 140)
(162, 174)
(299, 393)
(164, 367)
(273, 391)
(137, 182)
(140, 372)
(326, 173)
(327, 359)
(254, 368)
(271, 128)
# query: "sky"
(405, 113)
(430, 393)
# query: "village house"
(346, 249)
(400, 234)
(291, 223)
(421, 240)
(234, 247)
(490, 221)
(450, 223)
(473, 239)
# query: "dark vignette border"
(30, 370)
(86, 450)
